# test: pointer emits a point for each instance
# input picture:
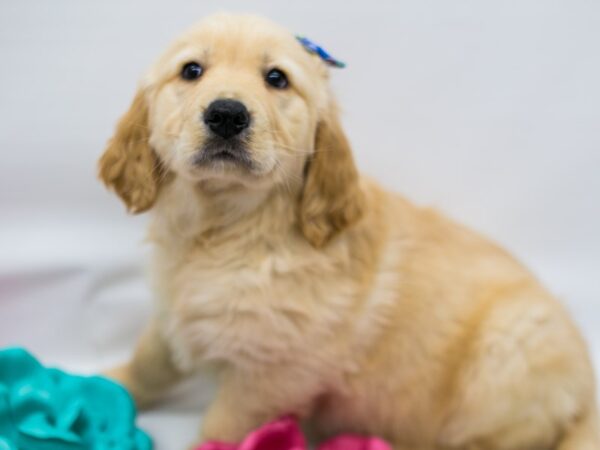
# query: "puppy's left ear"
(331, 199)
(129, 166)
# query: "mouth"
(219, 152)
(225, 156)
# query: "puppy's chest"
(246, 308)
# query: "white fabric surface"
(487, 110)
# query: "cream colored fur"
(308, 289)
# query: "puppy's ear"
(129, 166)
(331, 198)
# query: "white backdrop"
(487, 110)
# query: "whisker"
(310, 153)
(286, 177)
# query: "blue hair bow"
(318, 50)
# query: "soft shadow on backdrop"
(487, 110)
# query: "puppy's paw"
(118, 374)
(122, 375)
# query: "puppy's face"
(234, 101)
(237, 103)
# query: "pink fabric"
(285, 434)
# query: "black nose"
(226, 118)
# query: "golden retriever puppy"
(308, 289)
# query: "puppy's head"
(237, 103)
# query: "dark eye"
(191, 71)
(277, 79)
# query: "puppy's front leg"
(150, 371)
(232, 415)
(243, 403)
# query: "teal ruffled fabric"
(47, 409)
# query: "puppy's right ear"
(129, 166)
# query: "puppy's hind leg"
(583, 435)
(525, 382)
(150, 372)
